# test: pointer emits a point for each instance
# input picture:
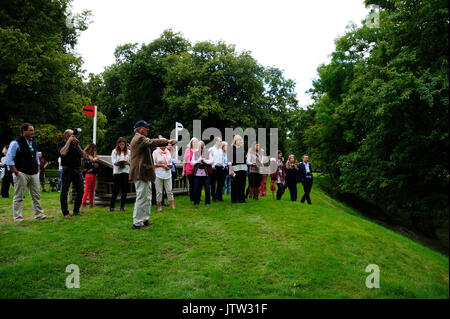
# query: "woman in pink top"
(188, 169)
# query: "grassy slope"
(264, 249)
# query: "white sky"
(292, 35)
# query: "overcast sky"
(292, 35)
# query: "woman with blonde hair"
(120, 158)
(291, 176)
(238, 170)
(202, 161)
(90, 169)
(188, 169)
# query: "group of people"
(150, 164)
(208, 169)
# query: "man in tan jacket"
(142, 172)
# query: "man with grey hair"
(71, 154)
(142, 172)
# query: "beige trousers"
(167, 184)
(143, 204)
(21, 182)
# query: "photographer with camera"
(71, 155)
(142, 172)
(163, 163)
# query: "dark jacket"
(302, 171)
(207, 167)
(141, 159)
(90, 167)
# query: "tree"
(382, 113)
(170, 80)
(40, 76)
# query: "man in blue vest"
(22, 158)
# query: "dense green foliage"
(40, 75)
(261, 249)
(171, 80)
(380, 112)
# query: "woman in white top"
(120, 158)
(163, 171)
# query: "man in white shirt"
(218, 166)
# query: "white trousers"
(167, 184)
(21, 182)
(143, 203)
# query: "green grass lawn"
(261, 249)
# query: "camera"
(76, 131)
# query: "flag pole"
(94, 132)
(176, 137)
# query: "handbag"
(272, 186)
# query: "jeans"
(59, 179)
(71, 175)
(201, 182)
(227, 185)
(42, 179)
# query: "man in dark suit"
(306, 177)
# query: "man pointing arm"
(142, 172)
